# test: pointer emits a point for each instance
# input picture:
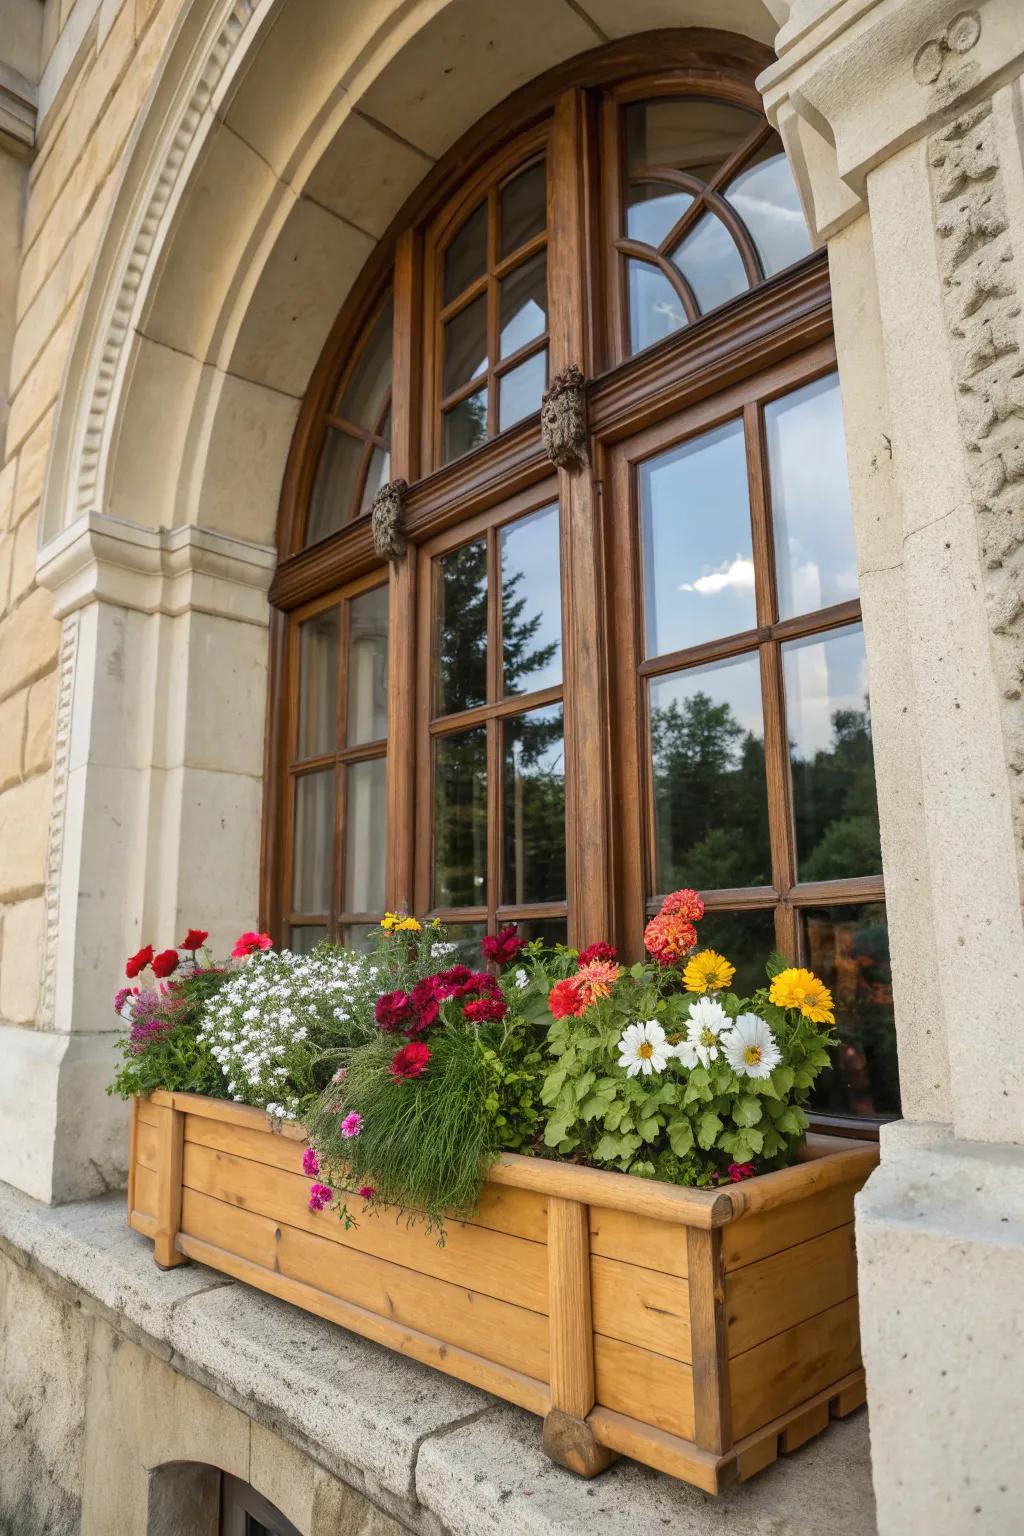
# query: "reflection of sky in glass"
(653, 210)
(655, 309)
(529, 552)
(736, 682)
(823, 674)
(708, 259)
(698, 563)
(520, 390)
(814, 549)
(766, 199)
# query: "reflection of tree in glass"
(460, 821)
(835, 808)
(849, 949)
(523, 658)
(461, 680)
(534, 807)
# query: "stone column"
(155, 826)
(904, 124)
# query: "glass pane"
(306, 938)
(366, 711)
(466, 258)
(366, 820)
(524, 305)
(652, 209)
(465, 941)
(460, 676)
(465, 345)
(314, 842)
(765, 197)
(523, 207)
(655, 309)
(367, 390)
(698, 554)
(335, 486)
(531, 602)
(460, 819)
(710, 801)
(520, 391)
(550, 930)
(828, 721)
(377, 475)
(362, 937)
(746, 939)
(814, 552)
(534, 807)
(708, 259)
(848, 947)
(685, 134)
(318, 683)
(465, 426)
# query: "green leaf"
(649, 1127)
(782, 1080)
(555, 1131)
(708, 1127)
(552, 1086)
(792, 1122)
(636, 971)
(747, 1110)
(680, 1137)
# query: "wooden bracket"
(572, 1444)
(568, 1438)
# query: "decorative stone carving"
(563, 419)
(935, 62)
(386, 518)
(55, 844)
(982, 295)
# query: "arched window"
(582, 687)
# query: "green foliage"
(172, 1053)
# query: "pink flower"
(738, 1171)
(320, 1195)
(121, 997)
(310, 1163)
(249, 943)
(366, 1191)
(340, 1075)
(351, 1125)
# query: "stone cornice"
(18, 99)
(156, 570)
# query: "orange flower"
(669, 938)
(596, 979)
(686, 904)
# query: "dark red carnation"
(485, 1010)
(393, 1010)
(446, 983)
(139, 962)
(194, 939)
(598, 951)
(410, 1061)
(504, 946)
(425, 1010)
(165, 963)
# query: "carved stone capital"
(563, 419)
(387, 515)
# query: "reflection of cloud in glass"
(732, 573)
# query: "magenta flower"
(310, 1163)
(351, 1125)
(366, 1192)
(120, 998)
(320, 1195)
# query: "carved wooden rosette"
(563, 419)
(386, 519)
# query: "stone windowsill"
(432, 1452)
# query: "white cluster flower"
(262, 1025)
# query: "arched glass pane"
(368, 388)
(335, 486)
(466, 258)
(655, 309)
(465, 427)
(376, 475)
(708, 259)
(652, 209)
(523, 207)
(319, 649)
(766, 199)
(685, 134)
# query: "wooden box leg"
(171, 1141)
(568, 1438)
(712, 1408)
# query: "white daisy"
(644, 1048)
(686, 1054)
(750, 1047)
(707, 1021)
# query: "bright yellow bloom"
(408, 925)
(797, 988)
(707, 972)
(388, 921)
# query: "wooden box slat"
(644, 1385)
(780, 1374)
(784, 1289)
(641, 1306)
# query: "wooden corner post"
(712, 1406)
(171, 1156)
(568, 1438)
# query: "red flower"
(248, 943)
(194, 939)
(738, 1171)
(485, 1010)
(565, 999)
(597, 951)
(165, 963)
(424, 1006)
(139, 962)
(503, 947)
(686, 904)
(410, 1061)
(446, 983)
(391, 1010)
(669, 937)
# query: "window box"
(700, 1332)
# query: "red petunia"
(565, 999)
(485, 1010)
(139, 962)
(194, 939)
(598, 951)
(392, 1009)
(410, 1061)
(249, 943)
(503, 947)
(165, 963)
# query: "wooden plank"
(509, 1268)
(783, 1372)
(147, 1147)
(170, 1144)
(777, 1293)
(454, 1314)
(569, 1309)
(146, 1188)
(804, 1427)
(850, 1398)
(139, 1221)
(513, 1386)
(659, 1245)
(641, 1306)
(772, 1190)
(644, 1385)
(599, 1187)
(711, 1408)
(755, 1237)
(148, 1112)
(658, 1448)
(755, 1452)
(133, 1137)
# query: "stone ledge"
(438, 1456)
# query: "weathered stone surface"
(21, 947)
(12, 734)
(42, 704)
(24, 823)
(29, 638)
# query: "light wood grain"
(658, 1448)
(711, 1407)
(755, 1237)
(569, 1309)
(784, 1372)
(646, 1386)
(169, 1156)
(146, 1191)
(147, 1146)
(776, 1293)
(641, 1306)
(659, 1245)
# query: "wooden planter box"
(701, 1332)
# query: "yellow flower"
(389, 920)
(408, 925)
(707, 972)
(797, 988)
